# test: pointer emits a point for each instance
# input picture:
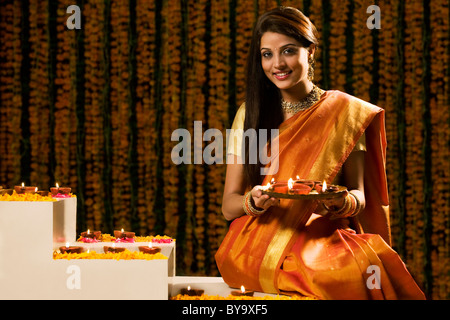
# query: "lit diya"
(124, 236)
(299, 187)
(324, 188)
(113, 249)
(60, 190)
(70, 249)
(278, 186)
(149, 249)
(93, 235)
(192, 292)
(242, 292)
(25, 189)
(89, 237)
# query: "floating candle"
(192, 292)
(242, 292)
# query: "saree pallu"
(290, 249)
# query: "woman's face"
(284, 60)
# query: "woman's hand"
(333, 204)
(263, 201)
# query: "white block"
(28, 271)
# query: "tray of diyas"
(303, 189)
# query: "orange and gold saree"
(291, 250)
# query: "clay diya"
(113, 249)
(60, 190)
(149, 249)
(70, 249)
(92, 235)
(300, 186)
(324, 188)
(25, 189)
(123, 234)
(242, 292)
(279, 187)
(20, 189)
(192, 292)
(6, 191)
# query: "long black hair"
(263, 98)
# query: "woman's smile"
(282, 75)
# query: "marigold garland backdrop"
(94, 109)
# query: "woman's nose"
(279, 61)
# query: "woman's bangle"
(248, 207)
(357, 206)
(336, 211)
(351, 207)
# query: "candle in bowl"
(192, 292)
(149, 249)
(70, 249)
(42, 193)
(113, 249)
(242, 292)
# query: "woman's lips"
(282, 75)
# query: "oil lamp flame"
(324, 186)
(290, 183)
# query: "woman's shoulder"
(239, 118)
(351, 100)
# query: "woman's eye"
(289, 51)
(266, 54)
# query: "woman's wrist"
(249, 207)
(350, 208)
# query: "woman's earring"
(311, 63)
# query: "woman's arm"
(353, 175)
(234, 191)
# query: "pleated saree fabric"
(290, 249)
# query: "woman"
(332, 249)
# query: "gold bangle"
(358, 204)
(248, 207)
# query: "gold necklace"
(312, 97)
